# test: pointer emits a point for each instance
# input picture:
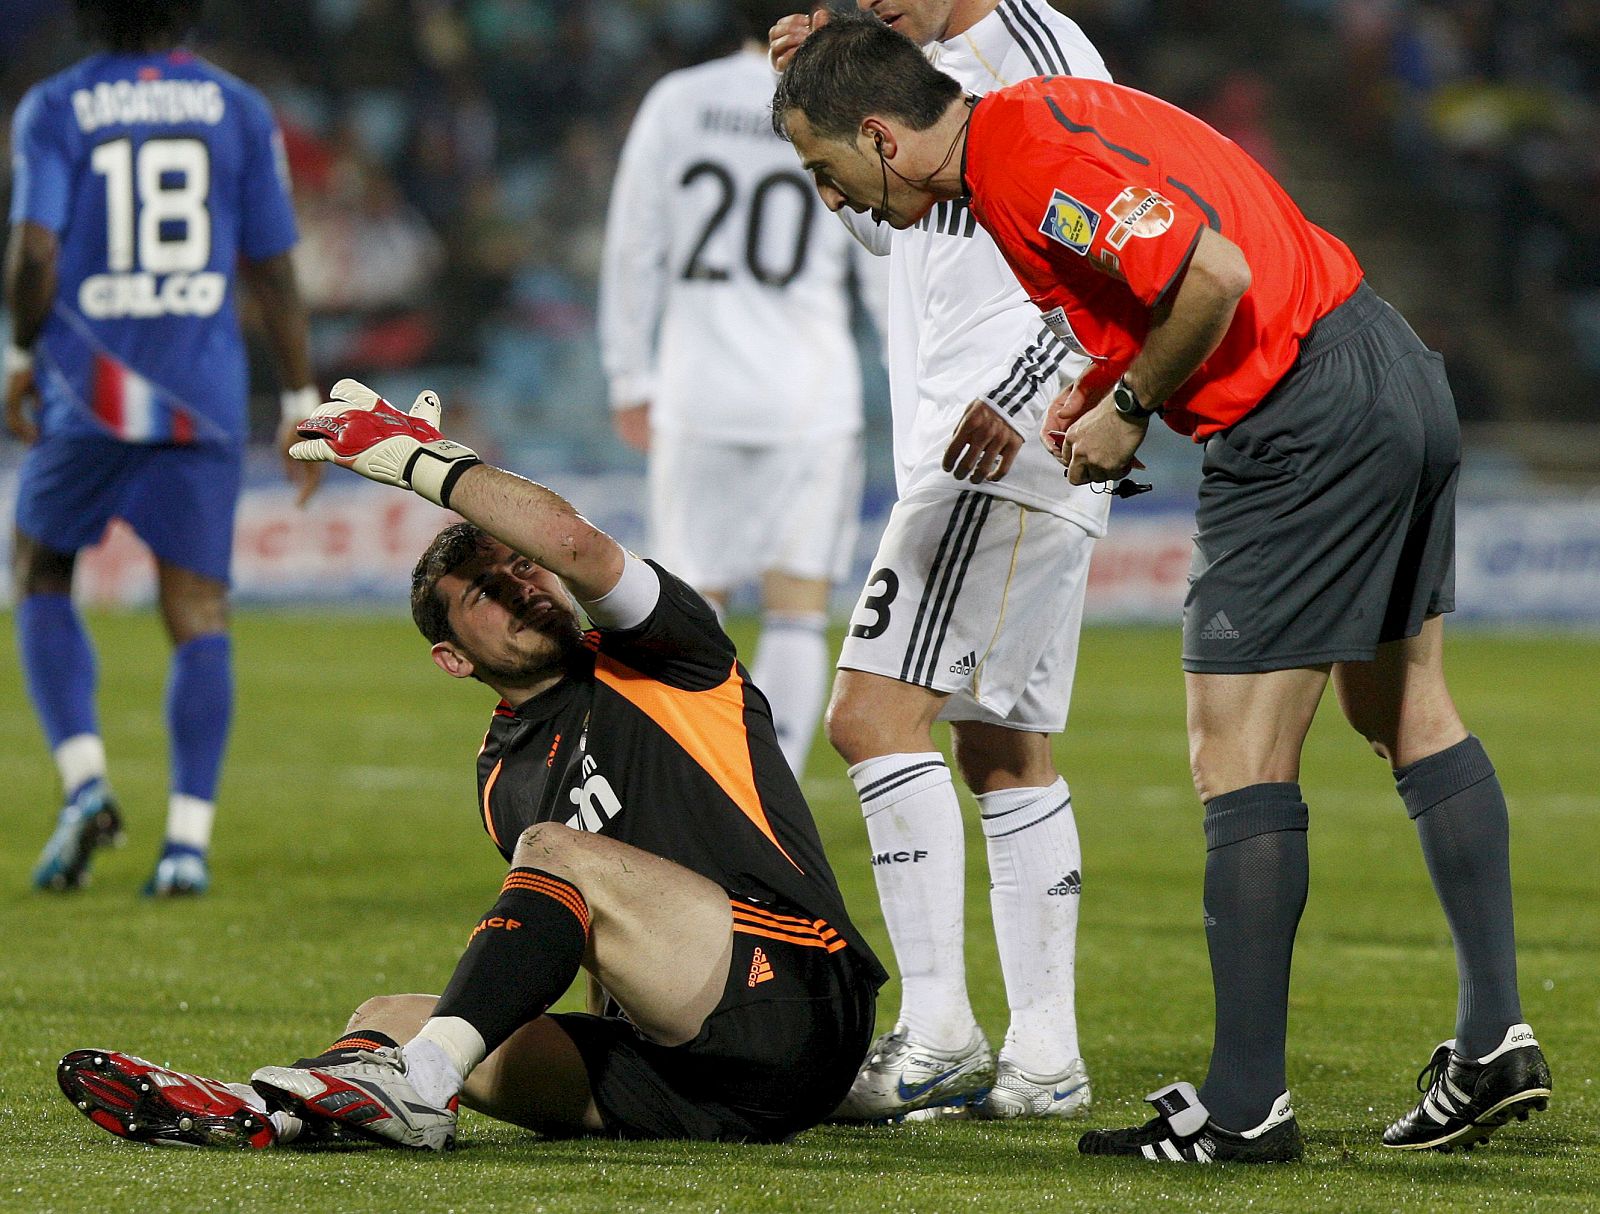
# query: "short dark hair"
(756, 17)
(451, 548)
(854, 66)
(136, 25)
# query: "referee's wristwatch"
(1127, 402)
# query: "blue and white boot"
(88, 820)
(180, 873)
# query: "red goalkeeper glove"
(364, 432)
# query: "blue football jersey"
(157, 173)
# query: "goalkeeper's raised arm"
(361, 431)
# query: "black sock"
(522, 956)
(1255, 888)
(1460, 811)
(344, 1049)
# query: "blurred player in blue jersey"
(146, 182)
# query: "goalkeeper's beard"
(560, 628)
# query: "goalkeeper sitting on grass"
(656, 839)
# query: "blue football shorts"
(179, 499)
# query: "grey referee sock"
(1460, 811)
(1255, 888)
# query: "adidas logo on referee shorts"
(1219, 628)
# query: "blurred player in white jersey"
(971, 615)
(725, 330)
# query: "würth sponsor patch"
(1138, 211)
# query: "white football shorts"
(979, 597)
(724, 514)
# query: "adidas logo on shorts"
(965, 665)
(760, 967)
(1070, 884)
(1219, 628)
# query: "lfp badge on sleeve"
(1069, 222)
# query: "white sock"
(918, 861)
(189, 821)
(79, 759)
(286, 1127)
(1035, 873)
(441, 1056)
(791, 668)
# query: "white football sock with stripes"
(1035, 873)
(919, 864)
(791, 668)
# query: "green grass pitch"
(349, 861)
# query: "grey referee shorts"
(1326, 522)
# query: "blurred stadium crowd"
(452, 160)
(1493, 108)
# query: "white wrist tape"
(434, 469)
(630, 602)
(17, 360)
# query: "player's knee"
(39, 570)
(553, 848)
(400, 1016)
(850, 729)
(1204, 769)
(188, 618)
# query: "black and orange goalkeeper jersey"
(659, 739)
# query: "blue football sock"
(58, 661)
(199, 711)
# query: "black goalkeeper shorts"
(776, 1056)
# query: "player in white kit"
(971, 615)
(725, 331)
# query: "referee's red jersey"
(1096, 194)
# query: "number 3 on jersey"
(757, 223)
(157, 222)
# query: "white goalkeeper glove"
(364, 432)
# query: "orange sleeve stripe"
(801, 941)
(709, 725)
(488, 787)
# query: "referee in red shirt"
(1325, 528)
